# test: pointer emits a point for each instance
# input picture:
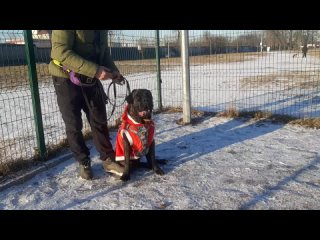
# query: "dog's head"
(140, 103)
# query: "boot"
(110, 165)
(85, 170)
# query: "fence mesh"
(16, 118)
(245, 70)
(255, 70)
(134, 55)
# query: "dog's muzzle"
(145, 114)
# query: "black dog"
(135, 137)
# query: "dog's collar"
(131, 119)
(126, 115)
(135, 122)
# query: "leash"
(124, 81)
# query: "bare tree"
(309, 36)
(250, 39)
(113, 37)
(178, 39)
(176, 43)
(143, 43)
(277, 39)
(290, 39)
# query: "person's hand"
(117, 78)
(103, 73)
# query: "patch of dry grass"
(169, 109)
(196, 115)
(257, 115)
(224, 58)
(16, 165)
(289, 80)
(314, 53)
(194, 112)
(16, 76)
(8, 166)
(313, 123)
(309, 123)
(231, 112)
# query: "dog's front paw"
(158, 171)
(125, 177)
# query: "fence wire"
(256, 71)
(229, 69)
(17, 140)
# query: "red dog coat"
(140, 136)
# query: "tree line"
(275, 39)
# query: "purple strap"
(72, 76)
(74, 79)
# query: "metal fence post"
(35, 93)
(158, 70)
(186, 77)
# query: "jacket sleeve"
(107, 60)
(62, 45)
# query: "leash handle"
(113, 83)
(120, 81)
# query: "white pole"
(185, 77)
(261, 44)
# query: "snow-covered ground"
(218, 163)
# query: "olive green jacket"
(75, 49)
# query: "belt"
(86, 79)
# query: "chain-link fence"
(256, 70)
(17, 132)
(243, 70)
(134, 54)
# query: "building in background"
(41, 39)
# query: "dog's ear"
(129, 98)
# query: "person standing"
(304, 51)
(80, 60)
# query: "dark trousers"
(71, 101)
